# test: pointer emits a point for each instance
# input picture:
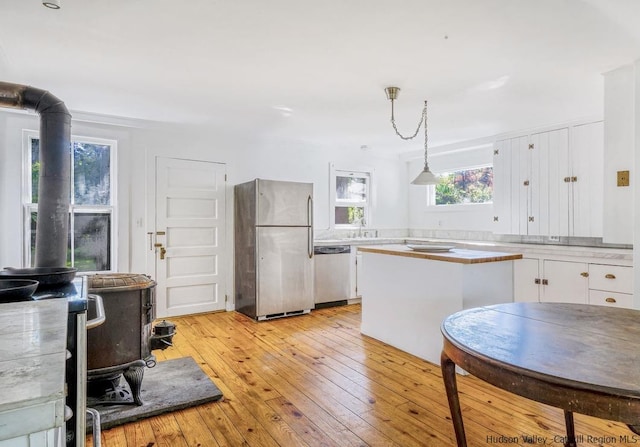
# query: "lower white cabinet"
(570, 281)
(611, 285)
(551, 281)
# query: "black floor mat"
(171, 385)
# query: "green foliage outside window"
(469, 186)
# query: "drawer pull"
(610, 300)
(585, 274)
(610, 276)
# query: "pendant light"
(426, 177)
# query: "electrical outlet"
(554, 238)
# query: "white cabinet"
(570, 281)
(526, 279)
(550, 183)
(611, 285)
(547, 280)
(354, 271)
(564, 282)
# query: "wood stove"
(121, 347)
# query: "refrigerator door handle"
(310, 227)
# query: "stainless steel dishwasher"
(332, 282)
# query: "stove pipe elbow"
(54, 191)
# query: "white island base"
(406, 295)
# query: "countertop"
(32, 366)
(459, 255)
(533, 249)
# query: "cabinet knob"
(531, 219)
(610, 300)
(526, 183)
(545, 282)
(496, 152)
(574, 179)
(585, 274)
(495, 218)
(531, 146)
(610, 276)
(536, 281)
(567, 179)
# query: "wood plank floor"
(314, 380)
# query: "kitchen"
(288, 142)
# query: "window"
(465, 186)
(351, 194)
(91, 214)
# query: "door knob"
(163, 251)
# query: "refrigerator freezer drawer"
(285, 271)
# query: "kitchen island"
(406, 294)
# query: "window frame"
(431, 191)
(111, 209)
(367, 205)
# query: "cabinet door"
(553, 150)
(502, 188)
(525, 273)
(520, 182)
(565, 282)
(587, 187)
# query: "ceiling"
(316, 70)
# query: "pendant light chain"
(422, 120)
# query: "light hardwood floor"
(314, 380)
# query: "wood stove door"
(189, 236)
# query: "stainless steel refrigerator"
(273, 248)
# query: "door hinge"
(226, 298)
(225, 177)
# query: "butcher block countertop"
(459, 255)
(32, 366)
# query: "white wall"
(246, 156)
(620, 96)
(473, 217)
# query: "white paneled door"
(189, 239)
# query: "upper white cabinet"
(550, 183)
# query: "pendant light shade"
(426, 177)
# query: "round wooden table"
(580, 358)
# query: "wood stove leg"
(450, 385)
(133, 375)
(571, 433)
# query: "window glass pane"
(349, 215)
(33, 217)
(92, 239)
(469, 186)
(92, 174)
(351, 188)
(35, 169)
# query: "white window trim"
(368, 206)
(28, 207)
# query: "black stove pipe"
(52, 226)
